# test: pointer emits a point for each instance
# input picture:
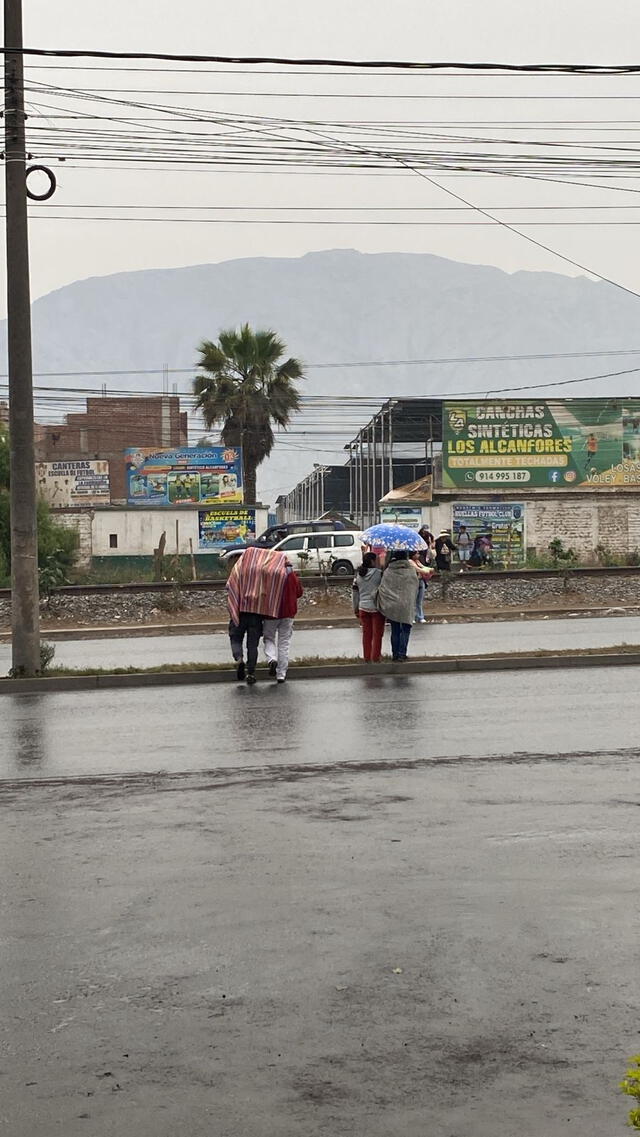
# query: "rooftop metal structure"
(324, 490)
(396, 446)
(414, 423)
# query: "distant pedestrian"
(254, 590)
(424, 575)
(444, 551)
(465, 545)
(481, 551)
(365, 596)
(397, 601)
(428, 555)
(278, 631)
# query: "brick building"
(109, 426)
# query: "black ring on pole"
(52, 183)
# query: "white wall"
(81, 522)
(437, 516)
(611, 520)
(583, 522)
(580, 522)
(139, 530)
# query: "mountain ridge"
(337, 307)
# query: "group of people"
(262, 595)
(472, 552)
(263, 592)
(393, 594)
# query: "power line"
(389, 224)
(526, 237)
(225, 146)
(316, 94)
(352, 208)
(595, 69)
(485, 213)
(439, 360)
(563, 382)
(438, 98)
(233, 70)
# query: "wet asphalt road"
(429, 639)
(331, 932)
(191, 728)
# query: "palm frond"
(292, 369)
(245, 388)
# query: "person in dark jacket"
(365, 595)
(481, 551)
(427, 556)
(444, 550)
(397, 596)
(277, 632)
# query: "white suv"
(338, 552)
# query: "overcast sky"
(504, 30)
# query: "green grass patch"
(337, 660)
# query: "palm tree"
(246, 389)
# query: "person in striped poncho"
(254, 591)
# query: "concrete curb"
(442, 666)
(139, 631)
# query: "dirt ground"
(327, 608)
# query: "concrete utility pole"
(25, 618)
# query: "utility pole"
(25, 617)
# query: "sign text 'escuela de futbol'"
(70, 482)
(560, 444)
(192, 475)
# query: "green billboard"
(523, 443)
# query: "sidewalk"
(59, 633)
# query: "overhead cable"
(595, 69)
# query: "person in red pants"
(365, 593)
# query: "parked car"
(338, 551)
(276, 533)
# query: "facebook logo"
(554, 476)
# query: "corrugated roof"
(417, 493)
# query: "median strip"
(183, 674)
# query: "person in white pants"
(277, 633)
(277, 640)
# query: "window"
(292, 544)
(113, 540)
(320, 541)
(343, 540)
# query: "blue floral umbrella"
(393, 537)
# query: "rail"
(332, 581)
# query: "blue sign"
(220, 528)
(194, 475)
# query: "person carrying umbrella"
(397, 597)
(398, 589)
(254, 591)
